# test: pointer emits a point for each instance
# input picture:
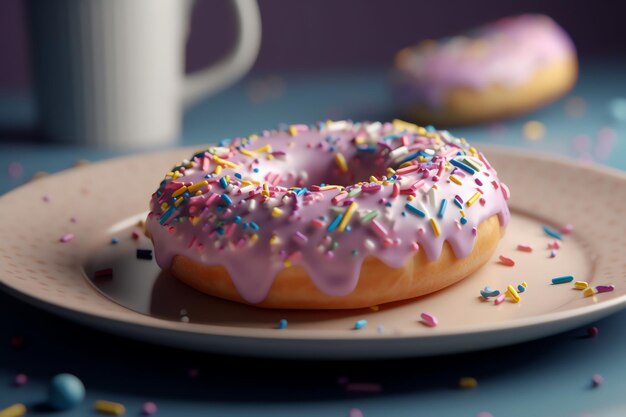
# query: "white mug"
(111, 72)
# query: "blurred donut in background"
(502, 69)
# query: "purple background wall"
(300, 35)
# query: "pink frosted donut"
(500, 69)
(338, 215)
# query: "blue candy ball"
(65, 391)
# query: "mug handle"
(236, 64)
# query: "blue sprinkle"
(219, 209)
(463, 166)
(521, 288)
(458, 204)
(360, 324)
(388, 204)
(207, 176)
(442, 208)
(348, 228)
(255, 169)
(335, 223)
(331, 148)
(237, 219)
(166, 215)
(223, 182)
(430, 128)
(282, 324)
(224, 142)
(159, 193)
(463, 220)
(403, 214)
(414, 210)
(220, 230)
(368, 149)
(254, 226)
(488, 292)
(186, 194)
(238, 175)
(409, 157)
(114, 241)
(227, 199)
(563, 279)
(552, 232)
(245, 226)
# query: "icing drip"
(324, 197)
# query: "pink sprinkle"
(499, 299)
(149, 408)
(568, 228)
(506, 261)
(135, 235)
(415, 247)
(524, 248)
(355, 412)
(378, 228)
(554, 245)
(592, 331)
(505, 191)
(371, 187)
(396, 190)
(300, 238)
(429, 320)
(317, 223)
(341, 196)
(596, 380)
(66, 237)
(15, 169)
(474, 231)
(363, 387)
(20, 379)
(388, 242)
(407, 170)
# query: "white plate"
(106, 199)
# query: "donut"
(499, 70)
(336, 215)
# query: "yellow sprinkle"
(390, 172)
(15, 410)
(346, 217)
(254, 237)
(374, 308)
(176, 174)
(455, 179)
(197, 185)
(359, 140)
(195, 220)
(512, 293)
(164, 206)
(435, 226)
(524, 284)
(406, 164)
(473, 199)
(180, 191)
(462, 213)
(341, 162)
(263, 149)
(374, 179)
(269, 156)
(246, 153)
(386, 183)
(410, 197)
(170, 174)
(253, 137)
(402, 125)
(287, 263)
(218, 169)
(274, 240)
(266, 190)
(198, 192)
(473, 150)
(276, 212)
(293, 131)
(589, 291)
(581, 285)
(109, 407)
(467, 382)
(224, 162)
(178, 202)
(534, 130)
(245, 183)
(423, 159)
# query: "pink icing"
(507, 52)
(254, 230)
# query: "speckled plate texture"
(97, 202)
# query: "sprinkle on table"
(592, 331)
(109, 407)
(359, 324)
(282, 324)
(149, 408)
(596, 380)
(15, 410)
(562, 280)
(67, 237)
(524, 248)
(506, 261)
(553, 233)
(429, 319)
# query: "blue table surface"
(547, 377)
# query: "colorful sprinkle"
(596, 380)
(341, 162)
(468, 382)
(605, 288)
(149, 408)
(429, 319)
(499, 299)
(347, 216)
(524, 248)
(442, 208)
(562, 280)
(589, 292)
(506, 261)
(67, 237)
(359, 324)
(414, 210)
(489, 292)
(15, 410)
(581, 285)
(435, 226)
(512, 294)
(282, 324)
(109, 407)
(553, 233)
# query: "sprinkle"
(524, 248)
(346, 217)
(521, 288)
(442, 208)
(227, 199)
(149, 408)
(300, 238)
(15, 410)
(463, 166)
(341, 162)
(179, 191)
(339, 197)
(554, 245)
(282, 324)
(414, 210)
(378, 228)
(581, 285)
(335, 223)
(103, 273)
(499, 299)
(553, 233)
(488, 292)
(359, 324)
(435, 226)
(567, 229)
(355, 412)
(473, 198)
(592, 331)
(20, 380)
(588, 292)
(552, 254)
(605, 288)
(506, 261)
(455, 180)
(144, 254)
(369, 216)
(198, 185)
(468, 382)
(562, 280)
(463, 220)
(533, 130)
(596, 380)
(276, 212)
(109, 407)
(66, 237)
(166, 215)
(429, 320)
(513, 294)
